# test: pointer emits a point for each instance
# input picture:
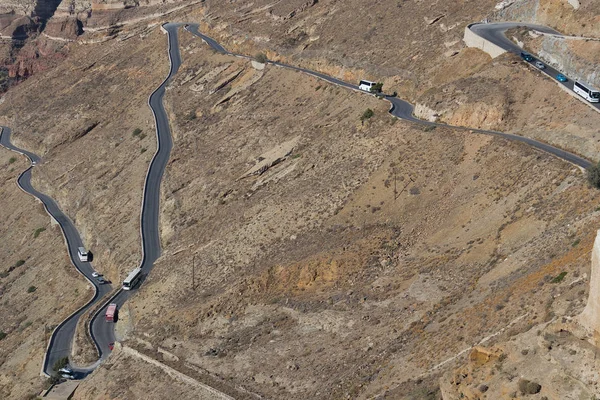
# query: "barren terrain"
(316, 263)
(308, 251)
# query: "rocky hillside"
(309, 251)
(571, 17)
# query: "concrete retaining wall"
(473, 40)
(590, 318)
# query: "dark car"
(101, 280)
(561, 78)
(526, 56)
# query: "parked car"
(526, 56)
(540, 65)
(67, 376)
(101, 280)
(561, 78)
(96, 274)
(66, 370)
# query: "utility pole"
(395, 189)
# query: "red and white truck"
(110, 312)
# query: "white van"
(83, 254)
(366, 85)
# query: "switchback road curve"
(59, 345)
(103, 333)
(496, 33)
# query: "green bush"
(137, 131)
(37, 232)
(593, 175)
(31, 289)
(2, 335)
(367, 115)
(143, 150)
(60, 363)
(19, 263)
(12, 160)
(559, 278)
(377, 88)
(261, 58)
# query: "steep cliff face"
(576, 57)
(572, 17)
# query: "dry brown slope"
(510, 96)
(81, 118)
(317, 264)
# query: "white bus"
(83, 254)
(586, 92)
(366, 85)
(132, 279)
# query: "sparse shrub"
(191, 116)
(528, 387)
(37, 232)
(19, 263)
(576, 242)
(377, 88)
(53, 380)
(559, 278)
(60, 363)
(143, 150)
(31, 289)
(593, 175)
(368, 114)
(261, 58)
(2, 335)
(142, 136)
(137, 131)
(317, 88)
(25, 326)
(12, 160)
(429, 128)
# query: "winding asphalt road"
(404, 110)
(102, 332)
(61, 338)
(495, 33)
